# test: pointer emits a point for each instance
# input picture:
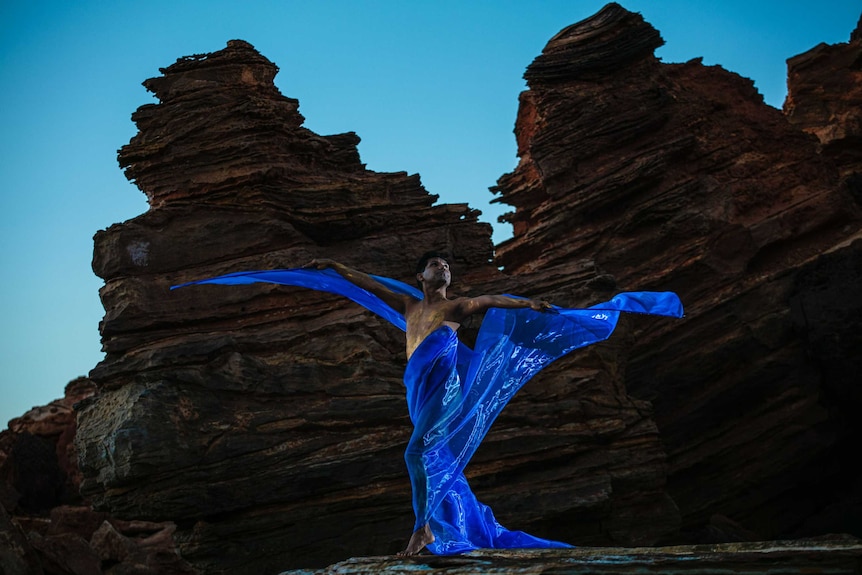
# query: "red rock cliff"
(679, 177)
(261, 428)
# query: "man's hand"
(320, 264)
(540, 305)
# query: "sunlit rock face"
(679, 177)
(268, 422)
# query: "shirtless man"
(426, 315)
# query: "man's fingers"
(542, 305)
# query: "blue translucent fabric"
(454, 393)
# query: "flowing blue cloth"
(454, 393)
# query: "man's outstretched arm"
(482, 303)
(396, 301)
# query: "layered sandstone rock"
(269, 422)
(45, 526)
(259, 428)
(38, 462)
(679, 177)
(824, 88)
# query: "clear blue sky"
(430, 87)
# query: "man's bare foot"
(420, 538)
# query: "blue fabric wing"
(327, 280)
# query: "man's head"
(433, 267)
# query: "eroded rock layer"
(679, 177)
(268, 422)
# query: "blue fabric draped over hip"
(454, 394)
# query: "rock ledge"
(842, 554)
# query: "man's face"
(437, 272)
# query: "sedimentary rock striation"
(678, 176)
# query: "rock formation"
(267, 422)
(260, 428)
(38, 462)
(824, 88)
(46, 527)
(838, 555)
(679, 177)
(270, 422)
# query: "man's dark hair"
(423, 261)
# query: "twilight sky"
(430, 87)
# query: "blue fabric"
(454, 393)
(322, 280)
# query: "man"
(435, 308)
(454, 394)
(424, 317)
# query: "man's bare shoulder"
(461, 302)
(464, 306)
